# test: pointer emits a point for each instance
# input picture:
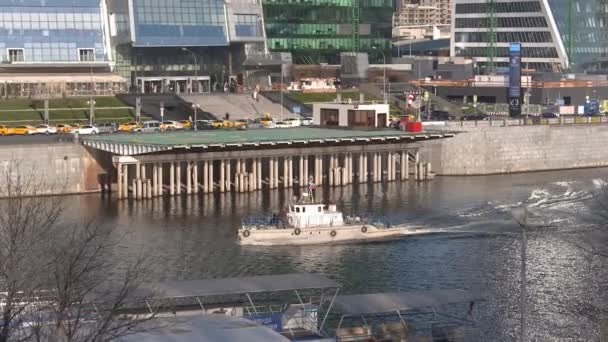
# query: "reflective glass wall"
(317, 31)
(586, 21)
(51, 31)
(179, 23)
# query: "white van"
(151, 126)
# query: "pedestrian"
(225, 87)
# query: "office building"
(318, 31)
(422, 20)
(54, 47)
(183, 46)
(556, 35)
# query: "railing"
(466, 125)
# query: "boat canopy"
(243, 285)
(203, 328)
(375, 303)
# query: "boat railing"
(370, 218)
(263, 222)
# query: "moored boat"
(307, 221)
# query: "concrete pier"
(193, 173)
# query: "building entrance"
(174, 84)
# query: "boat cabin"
(305, 213)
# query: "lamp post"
(282, 80)
(195, 70)
(91, 103)
(383, 73)
(196, 107)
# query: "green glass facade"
(316, 31)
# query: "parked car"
(306, 121)
(549, 115)
(204, 124)
(46, 129)
(106, 127)
(85, 130)
(281, 124)
(151, 126)
(128, 127)
(185, 124)
(218, 123)
(293, 122)
(24, 130)
(440, 115)
(240, 123)
(63, 128)
(5, 130)
(170, 125)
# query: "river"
(194, 237)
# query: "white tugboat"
(308, 222)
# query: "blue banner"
(270, 320)
(515, 79)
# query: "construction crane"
(491, 26)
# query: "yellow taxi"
(229, 124)
(170, 125)
(240, 123)
(63, 128)
(128, 127)
(217, 123)
(5, 130)
(266, 121)
(24, 130)
(185, 123)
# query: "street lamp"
(196, 107)
(195, 69)
(91, 103)
(383, 72)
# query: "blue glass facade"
(179, 23)
(51, 30)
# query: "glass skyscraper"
(316, 31)
(556, 35)
(51, 31)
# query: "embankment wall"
(57, 168)
(496, 150)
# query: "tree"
(55, 282)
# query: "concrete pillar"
(134, 188)
(195, 177)
(392, 158)
(154, 180)
(206, 176)
(160, 179)
(188, 177)
(428, 170)
(360, 168)
(237, 176)
(229, 175)
(271, 173)
(344, 175)
(119, 180)
(417, 166)
(258, 162)
(402, 165)
(305, 170)
(350, 168)
(301, 171)
(178, 178)
(375, 167)
(211, 184)
(276, 173)
(242, 175)
(222, 175)
(290, 173)
(331, 170)
(126, 182)
(149, 187)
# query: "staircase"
(175, 107)
(239, 106)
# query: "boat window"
(297, 209)
(303, 209)
(320, 208)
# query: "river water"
(193, 237)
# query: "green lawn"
(67, 110)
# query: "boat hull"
(324, 235)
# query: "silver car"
(151, 126)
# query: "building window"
(86, 55)
(15, 55)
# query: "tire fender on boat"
(333, 233)
(296, 231)
(246, 233)
(364, 229)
